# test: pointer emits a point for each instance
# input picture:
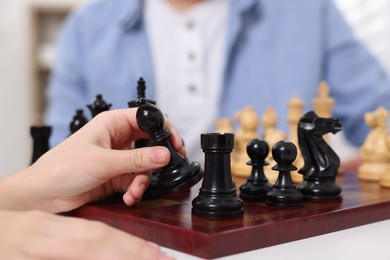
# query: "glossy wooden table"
(169, 222)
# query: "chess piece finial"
(321, 163)
(141, 93)
(257, 185)
(141, 87)
(374, 152)
(217, 197)
(284, 193)
(99, 105)
(40, 136)
(180, 173)
(79, 120)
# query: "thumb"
(136, 160)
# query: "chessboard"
(169, 222)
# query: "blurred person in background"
(204, 59)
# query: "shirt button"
(191, 56)
(190, 25)
(192, 88)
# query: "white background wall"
(15, 101)
(15, 87)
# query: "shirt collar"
(243, 6)
(131, 10)
(130, 13)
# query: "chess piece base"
(385, 180)
(316, 190)
(284, 198)
(251, 191)
(372, 171)
(175, 179)
(222, 205)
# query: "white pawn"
(247, 131)
(271, 135)
(374, 152)
(295, 113)
(323, 104)
(224, 125)
(384, 181)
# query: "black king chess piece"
(99, 105)
(217, 197)
(180, 173)
(40, 136)
(141, 93)
(257, 185)
(79, 120)
(321, 163)
(284, 193)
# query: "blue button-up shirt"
(276, 49)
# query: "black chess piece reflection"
(217, 197)
(79, 120)
(40, 136)
(257, 185)
(180, 173)
(99, 105)
(284, 193)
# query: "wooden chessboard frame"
(168, 221)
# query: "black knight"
(321, 163)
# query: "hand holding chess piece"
(180, 174)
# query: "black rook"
(217, 197)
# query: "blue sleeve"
(66, 90)
(356, 79)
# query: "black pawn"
(257, 185)
(284, 193)
(40, 136)
(79, 120)
(217, 197)
(180, 173)
(99, 105)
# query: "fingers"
(176, 140)
(38, 235)
(136, 160)
(136, 189)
